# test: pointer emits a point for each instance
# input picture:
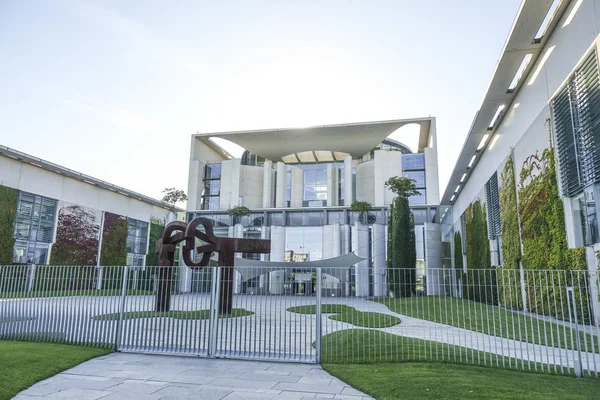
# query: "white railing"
(544, 321)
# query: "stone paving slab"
(153, 377)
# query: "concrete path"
(153, 377)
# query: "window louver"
(576, 110)
(493, 207)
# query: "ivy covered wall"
(114, 238)
(157, 227)
(9, 199)
(509, 220)
(76, 237)
(544, 236)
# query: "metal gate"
(274, 315)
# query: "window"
(493, 207)
(34, 228)
(413, 162)
(417, 176)
(212, 187)
(137, 237)
(576, 111)
(419, 198)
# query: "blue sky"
(111, 88)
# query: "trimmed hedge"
(401, 250)
(9, 198)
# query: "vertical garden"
(9, 199)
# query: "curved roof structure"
(355, 139)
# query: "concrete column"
(348, 181)
(494, 256)
(433, 259)
(280, 195)
(573, 222)
(195, 178)
(297, 187)
(336, 240)
(431, 176)
(230, 183)
(276, 278)
(267, 184)
(360, 245)
(333, 185)
(379, 260)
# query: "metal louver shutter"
(493, 207)
(585, 98)
(566, 144)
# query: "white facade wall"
(530, 108)
(252, 186)
(281, 184)
(297, 187)
(365, 184)
(267, 196)
(230, 184)
(387, 165)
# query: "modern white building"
(544, 95)
(299, 184)
(61, 210)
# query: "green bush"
(9, 199)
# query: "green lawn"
(350, 315)
(177, 314)
(489, 319)
(73, 293)
(422, 381)
(24, 363)
(361, 346)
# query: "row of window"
(315, 182)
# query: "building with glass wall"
(59, 216)
(299, 185)
(532, 156)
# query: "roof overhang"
(520, 42)
(38, 162)
(355, 139)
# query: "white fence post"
(30, 277)
(119, 329)
(318, 315)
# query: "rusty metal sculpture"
(177, 232)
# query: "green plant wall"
(402, 256)
(509, 220)
(9, 199)
(114, 238)
(544, 239)
(157, 228)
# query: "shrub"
(9, 199)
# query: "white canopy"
(336, 266)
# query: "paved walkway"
(153, 377)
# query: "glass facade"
(137, 241)
(212, 187)
(34, 228)
(413, 167)
(303, 244)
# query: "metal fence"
(544, 321)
